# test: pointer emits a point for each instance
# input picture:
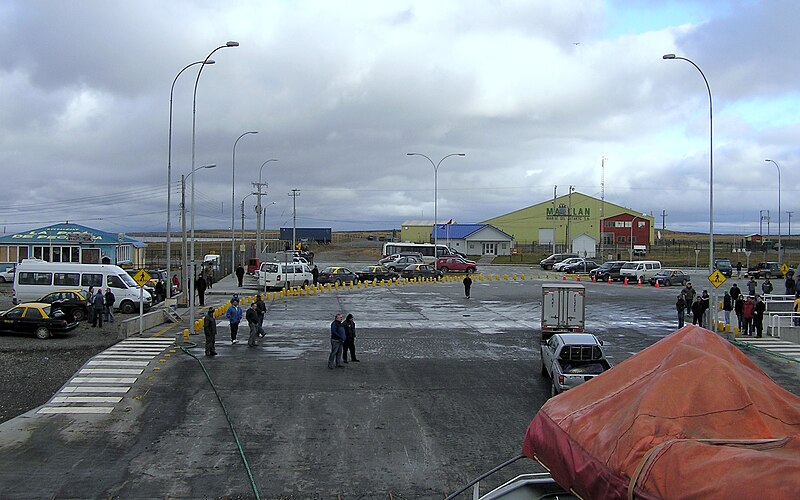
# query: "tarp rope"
(185, 348)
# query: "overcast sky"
(535, 93)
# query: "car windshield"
(126, 278)
(630, 265)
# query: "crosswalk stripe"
(104, 380)
(95, 389)
(75, 409)
(116, 362)
(110, 371)
(86, 399)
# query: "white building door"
(489, 249)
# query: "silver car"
(570, 359)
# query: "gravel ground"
(33, 370)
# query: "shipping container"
(321, 235)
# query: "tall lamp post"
(710, 179)
(233, 200)
(435, 201)
(631, 238)
(780, 247)
(245, 197)
(191, 266)
(169, 173)
(258, 210)
(194, 143)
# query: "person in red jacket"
(747, 312)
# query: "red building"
(623, 231)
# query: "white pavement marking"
(104, 380)
(75, 409)
(116, 362)
(110, 371)
(95, 389)
(86, 399)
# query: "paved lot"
(445, 391)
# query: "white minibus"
(276, 275)
(35, 278)
(644, 269)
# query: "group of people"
(749, 308)
(100, 305)
(343, 340)
(255, 321)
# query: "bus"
(426, 249)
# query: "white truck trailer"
(563, 308)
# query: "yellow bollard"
(522, 277)
(505, 277)
(497, 277)
(185, 334)
(514, 277)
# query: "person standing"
(727, 307)
(90, 304)
(109, 303)
(252, 322)
(688, 294)
(200, 286)
(210, 329)
(338, 336)
(98, 304)
(350, 338)
(751, 286)
(467, 285)
(161, 290)
(739, 268)
(680, 305)
(176, 282)
(758, 316)
(766, 286)
(747, 314)
(697, 311)
(796, 309)
(738, 307)
(735, 292)
(705, 320)
(240, 275)
(315, 275)
(234, 314)
(210, 276)
(789, 284)
(261, 308)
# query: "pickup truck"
(570, 359)
(766, 270)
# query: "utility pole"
(555, 218)
(569, 218)
(663, 220)
(790, 221)
(294, 194)
(602, 203)
(185, 265)
(258, 209)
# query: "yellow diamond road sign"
(717, 278)
(141, 277)
(784, 269)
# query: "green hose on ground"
(185, 348)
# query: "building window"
(123, 254)
(620, 239)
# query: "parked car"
(608, 270)
(548, 262)
(570, 359)
(376, 273)
(7, 274)
(72, 302)
(724, 266)
(403, 262)
(669, 277)
(37, 318)
(559, 266)
(456, 264)
(420, 271)
(766, 270)
(391, 258)
(338, 275)
(583, 266)
(640, 269)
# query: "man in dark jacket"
(315, 275)
(680, 305)
(210, 329)
(261, 308)
(688, 295)
(240, 275)
(252, 321)
(758, 316)
(350, 338)
(338, 336)
(200, 286)
(697, 311)
(98, 304)
(467, 285)
(109, 299)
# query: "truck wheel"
(127, 307)
(42, 333)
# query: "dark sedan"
(583, 266)
(376, 273)
(420, 271)
(37, 318)
(669, 277)
(70, 301)
(338, 275)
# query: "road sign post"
(141, 278)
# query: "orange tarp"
(689, 417)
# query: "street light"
(631, 238)
(435, 201)
(233, 200)
(710, 178)
(245, 197)
(169, 170)
(258, 210)
(194, 142)
(191, 276)
(780, 247)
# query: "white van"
(276, 275)
(35, 278)
(644, 269)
